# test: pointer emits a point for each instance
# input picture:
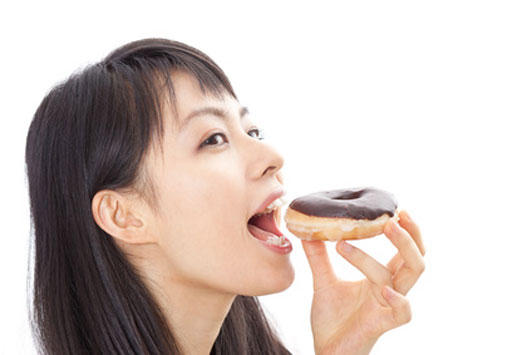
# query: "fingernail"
(346, 247)
(407, 217)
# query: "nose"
(263, 159)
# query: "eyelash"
(258, 130)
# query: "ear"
(113, 213)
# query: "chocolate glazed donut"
(353, 213)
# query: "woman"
(143, 173)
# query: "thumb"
(318, 259)
(400, 307)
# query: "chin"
(289, 277)
(277, 282)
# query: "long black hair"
(91, 132)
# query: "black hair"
(91, 132)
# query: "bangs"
(145, 72)
(140, 77)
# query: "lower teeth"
(276, 240)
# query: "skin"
(196, 253)
(348, 317)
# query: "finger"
(318, 259)
(395, 263)
(400, 308)
(412, 228)
(413, 265)
(371, 268)
(405, 245)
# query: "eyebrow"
(211, 110)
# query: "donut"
(352, 213)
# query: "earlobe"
(111, 211)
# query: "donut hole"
(349, 195)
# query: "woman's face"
(209, 186)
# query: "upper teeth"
(274, 205)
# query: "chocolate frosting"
(356, 203)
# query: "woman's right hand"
(348, 317)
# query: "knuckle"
(421, 267)
(408, 318)
(417, 267)
(406, 312)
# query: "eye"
(258, 132)
(212, 139)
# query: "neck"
(194, 312)
(195, 315)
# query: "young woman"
(143, 172)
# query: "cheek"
(199, 190)
(204, 235)
(202, 210)
(211, 201)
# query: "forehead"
(189, 97)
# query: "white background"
(429, 100)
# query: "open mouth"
(264, 226)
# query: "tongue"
(263, 226)
(261, 234)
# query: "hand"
(348, 317)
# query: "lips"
(264, 228)
(263, 225)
